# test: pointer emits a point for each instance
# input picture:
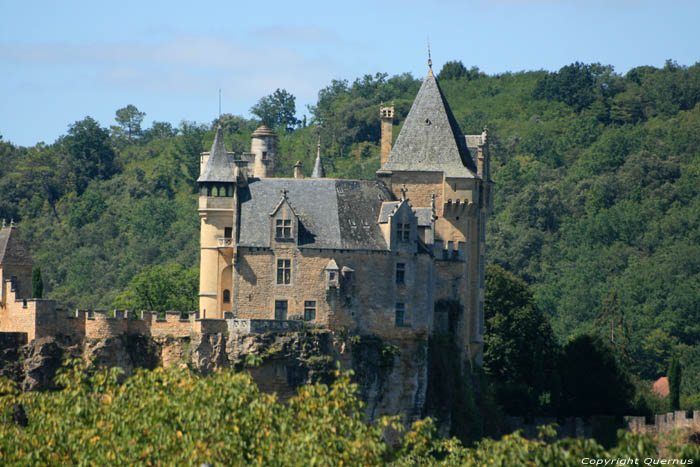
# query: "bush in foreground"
(177, 417)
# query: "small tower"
(318, 171)
(15, 264)
(263, 143)
(386, 114)
(298, 170)
(217, 186)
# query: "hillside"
(597, 195)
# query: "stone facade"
(385, 258)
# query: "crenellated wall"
(677, 420)
(40, 318)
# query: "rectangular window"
(400, 273)
(403, 232)
(309, 310)
(399, 312)
(283, 228)
(284, 271)
(228, 232)
(280, 309)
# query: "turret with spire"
(318, 171)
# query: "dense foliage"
(597, 193)
(177, 417)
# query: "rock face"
(392, 376)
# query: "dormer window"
(403, 232)
(283, 228)
(332, 273)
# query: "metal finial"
(284, 193)
(12, 222)
(430, 60)
(318, 146)
(219, 103)
(432, 204)
(403, 192)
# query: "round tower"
(217, 185)
(263, 143)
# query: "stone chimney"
(386, 114)
(298, 170)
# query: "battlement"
(450, 251)
(678, 420)
(40, 318)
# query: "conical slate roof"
(219, 166)
(430, 139)
(12, 249)
(318, 171)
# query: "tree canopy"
(278, 110)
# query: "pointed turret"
(219, 166)
(318, 171)
(12, 251)
(430, 139)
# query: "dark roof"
(338, 214)
(219, 166)
(430, 139)
(12, 249)
(318, 171)
(424, 216)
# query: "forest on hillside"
(597, 194)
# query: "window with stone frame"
(400, 273)
(309, 310)
(284, 271)
(283, 228)
(400, 314)
(403, 232)
(280, 309)
(227, 296)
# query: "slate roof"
(338, 214)
(424, 216)
(430, 139)
(12, 249)
(219, 166)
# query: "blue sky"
(61, 61)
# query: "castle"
(400, 257)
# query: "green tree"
(573, 84)
(89, 152)
(278, 110)
(520, 351)
(674, 384)
(592, 381)
(612, 326)
(161, 288)
(37, 283)
(159, 130)
(129, 119)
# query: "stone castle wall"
(37, 318)
(678, 420)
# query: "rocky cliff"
(392, 376)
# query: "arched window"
(203, 191)
(227, 296)
(229, 190)
(215, 191)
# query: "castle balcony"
(224, 242)
(216, 203)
